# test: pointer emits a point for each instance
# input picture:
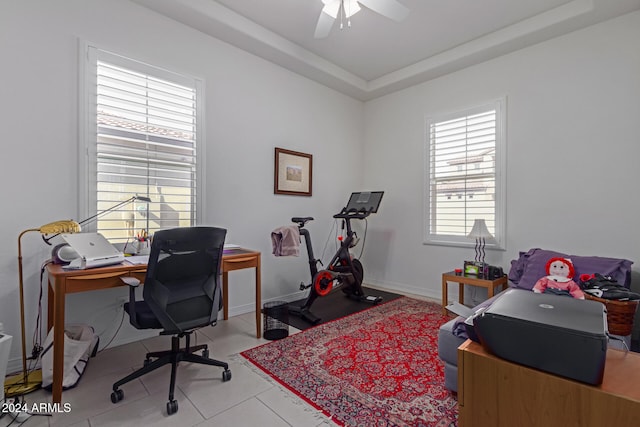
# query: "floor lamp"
(27, 382)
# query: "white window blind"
(145, 144)
(463, 166)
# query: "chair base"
(173, 357)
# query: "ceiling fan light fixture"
(345, 9)
(333, 7)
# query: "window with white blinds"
(464, 166)
(142, 140)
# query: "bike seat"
(301, 220)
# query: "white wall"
(252, 106)
(573, 146)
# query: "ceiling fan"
(391, 9)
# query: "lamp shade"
(60, 227)
(480, 231)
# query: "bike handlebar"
(352, 214)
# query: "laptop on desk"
(93, 250)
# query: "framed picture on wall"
(292, 173)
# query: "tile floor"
(249, 399)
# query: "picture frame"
(293, 173)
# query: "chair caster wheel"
(117, 396)
(205, 353)
(226, 375)
(172, 407)
(146, 362)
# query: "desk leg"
(258, 300)
(50, 304)
(461, 293)
(491, 290)
(225, 295)
(58, 341)
(445, 296)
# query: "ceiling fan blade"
(325, 22)
(389, 8)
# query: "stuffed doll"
(559, 279)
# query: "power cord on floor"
(16, 410)
(106, 346)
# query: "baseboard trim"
(250, 308)
(404, 289)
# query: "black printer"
(556, 334)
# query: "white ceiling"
(377, 55)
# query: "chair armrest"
(133, 283)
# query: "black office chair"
(181, 293)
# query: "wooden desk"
(498, 393)
(468, 280)
(63, 282)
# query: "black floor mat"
(333, 306)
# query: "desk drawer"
(94, 281)
(239, 263)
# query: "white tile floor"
(249, 399)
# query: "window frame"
(87, 183)
(499, 105)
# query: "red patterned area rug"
(378, 367)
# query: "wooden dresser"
(494, 392)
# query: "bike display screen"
(365, 201)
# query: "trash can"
(275, 318)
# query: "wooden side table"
(467, 280)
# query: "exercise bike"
(344, 270)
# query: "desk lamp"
(91, 218)
(482, 235)
(27, 382)
(58, 253)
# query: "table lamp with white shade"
(481, 234)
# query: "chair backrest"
(182, 285)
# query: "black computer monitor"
(365, 201)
